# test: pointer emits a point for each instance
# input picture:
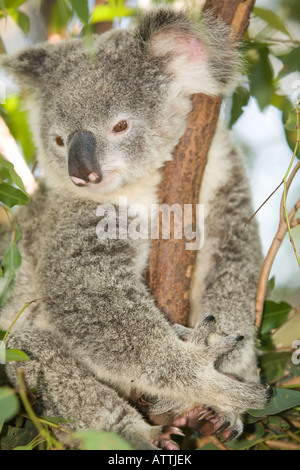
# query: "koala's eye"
(60, 141)
(121, 126)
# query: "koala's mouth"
(108, 180)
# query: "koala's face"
(100, 113)
(109, 112)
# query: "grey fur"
(98, 331)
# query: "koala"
(106, 115)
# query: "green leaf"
(11, 196)
(261, 77)
(9, 405)
(272, 19)
(11, 262)
(291, 62)
(108, 13)
(273, 365)
(245, 441)
(29, 447)
(21, 19)
(13, 438)
(284, 104)
(13, 4)
(101, 440)
(282, 400)
(274, 315)
(82, 10)
(16, 119)
(239, 101)
(271, 284)
(61, 15)
(291, 124)
(55, 420)
(6, 164)
(13, 175)
(15, 355)
(209, 446)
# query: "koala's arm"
(96, 302)
(228, 267)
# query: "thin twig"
(17, 317)
(285, 188)
(268, 263)
(51, 441)
(253, 215)
(282, 445)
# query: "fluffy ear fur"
(28, 66)
(33, 65)
(200, 52)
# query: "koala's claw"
(164, 440)
(209, 422)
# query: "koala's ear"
(30, 65)
(200, 53)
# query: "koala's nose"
(83, 164)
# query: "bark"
(171, 265)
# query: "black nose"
(83, 164)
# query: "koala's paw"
(164, 441)
(221, 345)
(144, 436)
(209, 422)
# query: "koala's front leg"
(66, 389)
(205, 419)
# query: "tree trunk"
(171, 265)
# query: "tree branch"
(269, 260)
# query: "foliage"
(277, 426)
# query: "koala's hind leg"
(229, 263)
(66, 389)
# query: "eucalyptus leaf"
(13, 4)
(291, 124)
(21, 19)
(15, 355)
(16, 118)
(274, 315)
(10, 263)
(282, 400)
(239, 100)
(273, 365)
(209, 446)
(55, 420)
(261, 78)
(272, 19)
(5, 163)
(82, 9)
(12, 173)
(11, 196)
(249, 440)
(108, 13)
(101, 440)
(19, 438)
(9, 404)
(291, 62)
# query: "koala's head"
(109, 111)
